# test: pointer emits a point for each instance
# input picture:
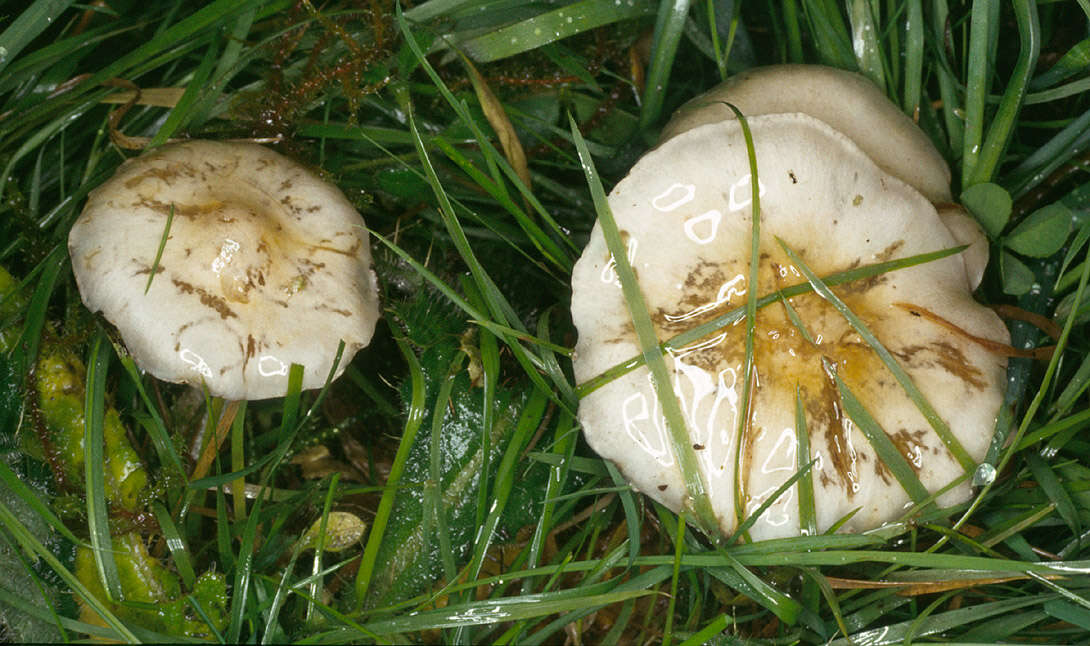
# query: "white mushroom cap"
(265, 265)
(967, 231)
(846, 101)
(684, 211)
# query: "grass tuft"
(478, 139)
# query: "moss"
(61, 402)
(153, 596)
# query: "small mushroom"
(685, 215)
(855, 107)
(264, 265)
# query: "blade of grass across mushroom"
(933, 419)
(731, 317)
(695, 486)
(883, 446)
(748, 376)
(536, 234)
(807, 512)
(162, 244)
(802, 473)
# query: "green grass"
(454, 436)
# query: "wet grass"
(473, 136)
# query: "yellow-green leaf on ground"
(497, 118)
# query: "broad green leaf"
(1043, 233)
(1017, 277)
(990, 204)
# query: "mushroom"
(685, 215)
(854, 106)
(263, 265)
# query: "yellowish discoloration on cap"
(686, 211)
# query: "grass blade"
(414, 417)
(176, 543)
(691, 472)
(731, 317)
(986, 164)
(94, 472)
(1054, 489)
(807, 513)
(669, 25)
(34, 547)
(33, 20)
(883, 447)
(549, 27)
(925, 408)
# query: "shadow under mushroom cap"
(265, 265)
(684, 211)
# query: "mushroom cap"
(684, 212)
(967, 231)
(265, 265)
(848, 102)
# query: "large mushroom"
(264, 265)
(684, 212)
(856, 108)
